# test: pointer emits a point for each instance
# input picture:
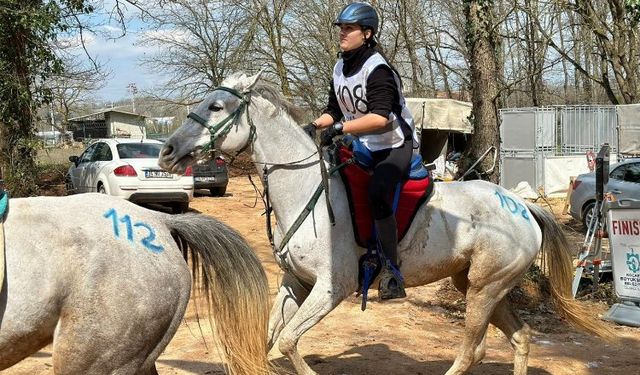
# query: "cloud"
(120, 54)
(174, 34)
(120, 48)
(74, 42)
(110, 30)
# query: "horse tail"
(235, 286)
(555, 248)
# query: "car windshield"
(138, 150)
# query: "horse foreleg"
(518, 333)
(290, 296)
(322, 299)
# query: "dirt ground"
(418, 335)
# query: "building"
(54, 137)
(107, 124)
(160, 127)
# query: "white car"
(128, 168)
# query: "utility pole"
(133, 89)
(53, 126)
(52, 118)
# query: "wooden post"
(568, 197)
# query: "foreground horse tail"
(235, 286)
(556, 249)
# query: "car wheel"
(587, 214)
(218, 191)
(101, 189)
(180, 208)
(68, 186)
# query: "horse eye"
(215, 107)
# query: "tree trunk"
(406, 26)
(565, 70)
(443, 71)
(433, 88)
(482, 43)
(534, 65)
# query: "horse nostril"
(167, 149)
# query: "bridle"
(223, 127)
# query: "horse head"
(220, 121)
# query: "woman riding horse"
(377, 115)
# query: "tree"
(614, 25)
(27, 28)
(403, 22)
(312, 47)
(71, 86)
(270, 16)
(483, 45)
(199, 42)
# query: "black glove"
(310, 129)
(327, 135)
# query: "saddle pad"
(363, 156)
(4, 203)
(356, 180)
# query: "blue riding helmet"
(361, 14)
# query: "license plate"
(205, 179)
(157, 174)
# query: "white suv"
(128, 168)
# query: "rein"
(268, 208)
(324, 186)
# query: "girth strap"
(277, 250)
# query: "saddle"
(415, 190)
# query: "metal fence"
(586, 128)
(531, 137)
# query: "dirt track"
(419, 335)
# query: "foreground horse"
(107, 282)
(478, 233)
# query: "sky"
(120, 55)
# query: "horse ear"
(254, 79)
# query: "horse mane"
(273, 94)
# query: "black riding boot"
(391, 285)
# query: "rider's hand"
(326, 137)
(310, 129)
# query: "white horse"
(481, 235)
(107, 282)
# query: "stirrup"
(391, 286)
